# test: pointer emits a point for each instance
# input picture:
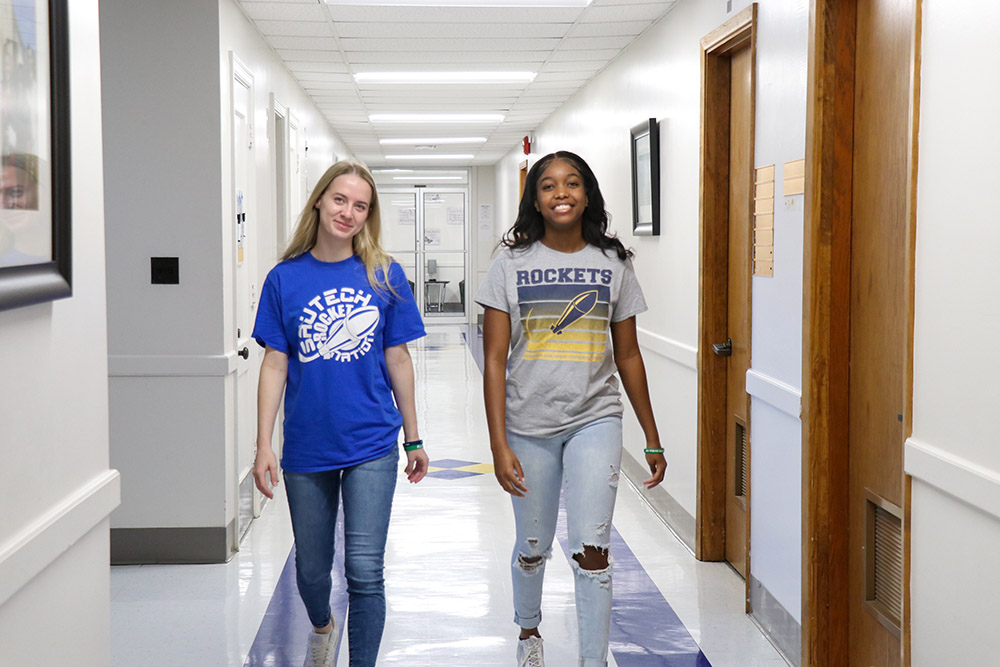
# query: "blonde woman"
(335, 316)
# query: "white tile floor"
(447, 566)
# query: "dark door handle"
(245, 353)
(723, 349)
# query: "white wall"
(953, 454)
(58, 490)
(484, 232)
(161, 140)
(167, 101)
(775, 378)
(659, 76)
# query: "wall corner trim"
(774, 392)
(166, 365)
(32, 549)
(968, 481)
(685, 355)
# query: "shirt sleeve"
(493, 291)
(630, 299)
(268, 329)
(402, 318)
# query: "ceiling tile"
(296, 28)
(284, 11)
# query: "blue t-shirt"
(334, 327)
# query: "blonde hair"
(366, 243)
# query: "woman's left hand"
(416, 465)
(657, 465)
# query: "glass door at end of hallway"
(426, 231)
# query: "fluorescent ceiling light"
(436, 118)
(425, 156)
(427, 178)
(444, 77)
(388, 171)
(432, 140)
(462, 3)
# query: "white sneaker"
(322, 650)
(530, 653)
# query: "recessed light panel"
(432, 140)
(463, 156)
(436, 118)
(461, 3)
(444, 77)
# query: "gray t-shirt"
(561, 370)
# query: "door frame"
(736, 33)
(826, 329)
(241, 75)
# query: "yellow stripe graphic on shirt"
(550, 355)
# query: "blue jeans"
(587, 462)
(367, 490)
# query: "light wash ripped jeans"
(587, 462)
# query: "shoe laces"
(533, 657)
(318, 651)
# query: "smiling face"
(343, 208)
(562, 197)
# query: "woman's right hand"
(264, 464)
(508, 471)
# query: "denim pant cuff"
(528, 622)
(593, 662)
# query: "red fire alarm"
(526, 145)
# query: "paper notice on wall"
(432, 236)
(407, 216)
(485, 218)
(456, 215)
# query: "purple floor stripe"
(638, 605)
(645, 630)
(281, 639)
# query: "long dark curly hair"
(530, 226)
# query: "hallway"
(447, 571)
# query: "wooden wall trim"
(825, 344)
(710, 520)
(911, 244)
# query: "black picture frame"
(645, 151)
(31, 283)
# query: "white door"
(245, 285)
(297, 173)
(279, 149)
(426, 230)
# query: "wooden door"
(727, 113)
(858, 285)
(878, 332)
(738, 315)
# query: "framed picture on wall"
(35, 204)
(646, 178)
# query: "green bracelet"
(652, 450)
(413, 445)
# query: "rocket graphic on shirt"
(565, 313)
(337, 324)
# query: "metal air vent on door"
(742, 460)
(884, 561)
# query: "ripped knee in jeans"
(594, 561)
(530, 564)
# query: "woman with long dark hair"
(560, 301)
